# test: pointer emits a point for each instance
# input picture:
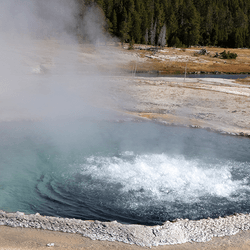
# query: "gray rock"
(50, 245)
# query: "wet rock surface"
(220, 105)
(177, 232)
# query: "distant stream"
(224, 76)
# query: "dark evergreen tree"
(114, 23)
(136, 30)
(124, 27)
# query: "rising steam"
(44, 70)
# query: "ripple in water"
(130, 172)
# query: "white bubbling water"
(160, 177)
(115, 171)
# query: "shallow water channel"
(132, 172)
(223, 76)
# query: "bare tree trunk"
(153, 33)
(162, 36)
(146, 36)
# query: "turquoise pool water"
(132, 172)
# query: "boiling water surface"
(132, 172)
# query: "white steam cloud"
(38, 18)
(44, 71)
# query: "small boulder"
(203, 52)
(50, 245)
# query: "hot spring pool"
(132, 172)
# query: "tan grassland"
(175, 60)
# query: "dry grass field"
(175, 60)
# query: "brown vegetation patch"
(244, 81)
(174, 61)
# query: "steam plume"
(44, 70)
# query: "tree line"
(179, 23)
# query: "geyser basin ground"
(132, 172)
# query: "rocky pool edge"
(169, 233)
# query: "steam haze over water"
(133, 172)
(64, 151)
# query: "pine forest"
(179, 23)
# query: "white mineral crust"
(177, 232)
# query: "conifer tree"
(100, 3)
(144, 25)
(136, 30)
(241, 28)
(225, 25)
(108, 9)
(114, 22)
(146, 37)
(124, 28)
